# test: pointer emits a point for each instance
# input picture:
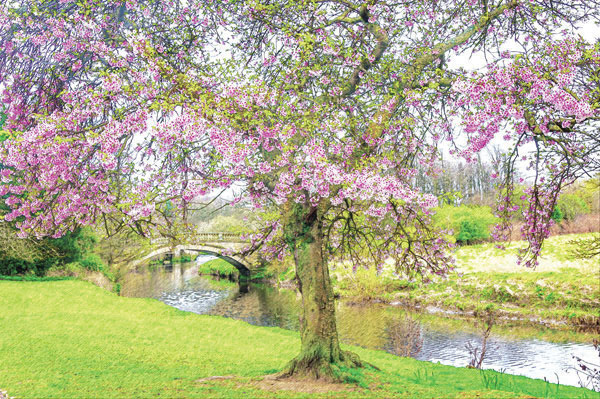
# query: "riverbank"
(559, 291)
(72, 339)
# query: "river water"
(376, 326)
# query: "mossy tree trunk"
(320, 354)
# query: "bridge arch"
(237, 261)
(242, 268)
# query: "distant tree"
(322, 110)
(460, 182)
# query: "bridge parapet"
(215, 237)
(205, 237)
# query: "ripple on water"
(529, 357)
(193, 301)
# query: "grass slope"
(69, 339)
(218, 267)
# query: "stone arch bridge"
(225, 246)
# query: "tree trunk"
(320, 354)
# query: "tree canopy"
(321, 109)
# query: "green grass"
(556, 254)
(183, 258)
(219, 267)
(70, 339)
(35, 278)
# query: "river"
(513, 350)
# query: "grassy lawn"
(70, 339)
(560, 288)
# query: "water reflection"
(263, 306)
(372, 326)
(153, 281)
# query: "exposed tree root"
(311, 366)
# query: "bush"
(469, 224)
(70, 253)
(92, 262)
(557, 215)
(10, 266)
(183, 258)
(365, 283)
(75, 245)
(571, 205)
(35, 278)
(589, 192)
(471, 230)
(282, 270)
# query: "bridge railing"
(204, 237)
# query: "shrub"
(184, 258)
(472, 230)
(571, 205)
(92, 262)
(282, 270)
(10, 266)
(589, 192)
(365, 283)
(469, 223)
(36, 257)
(75, 245)
(557, 215)
(405, 335)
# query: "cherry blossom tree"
(321, 110)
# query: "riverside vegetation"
(559, 289)
(69, 338)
